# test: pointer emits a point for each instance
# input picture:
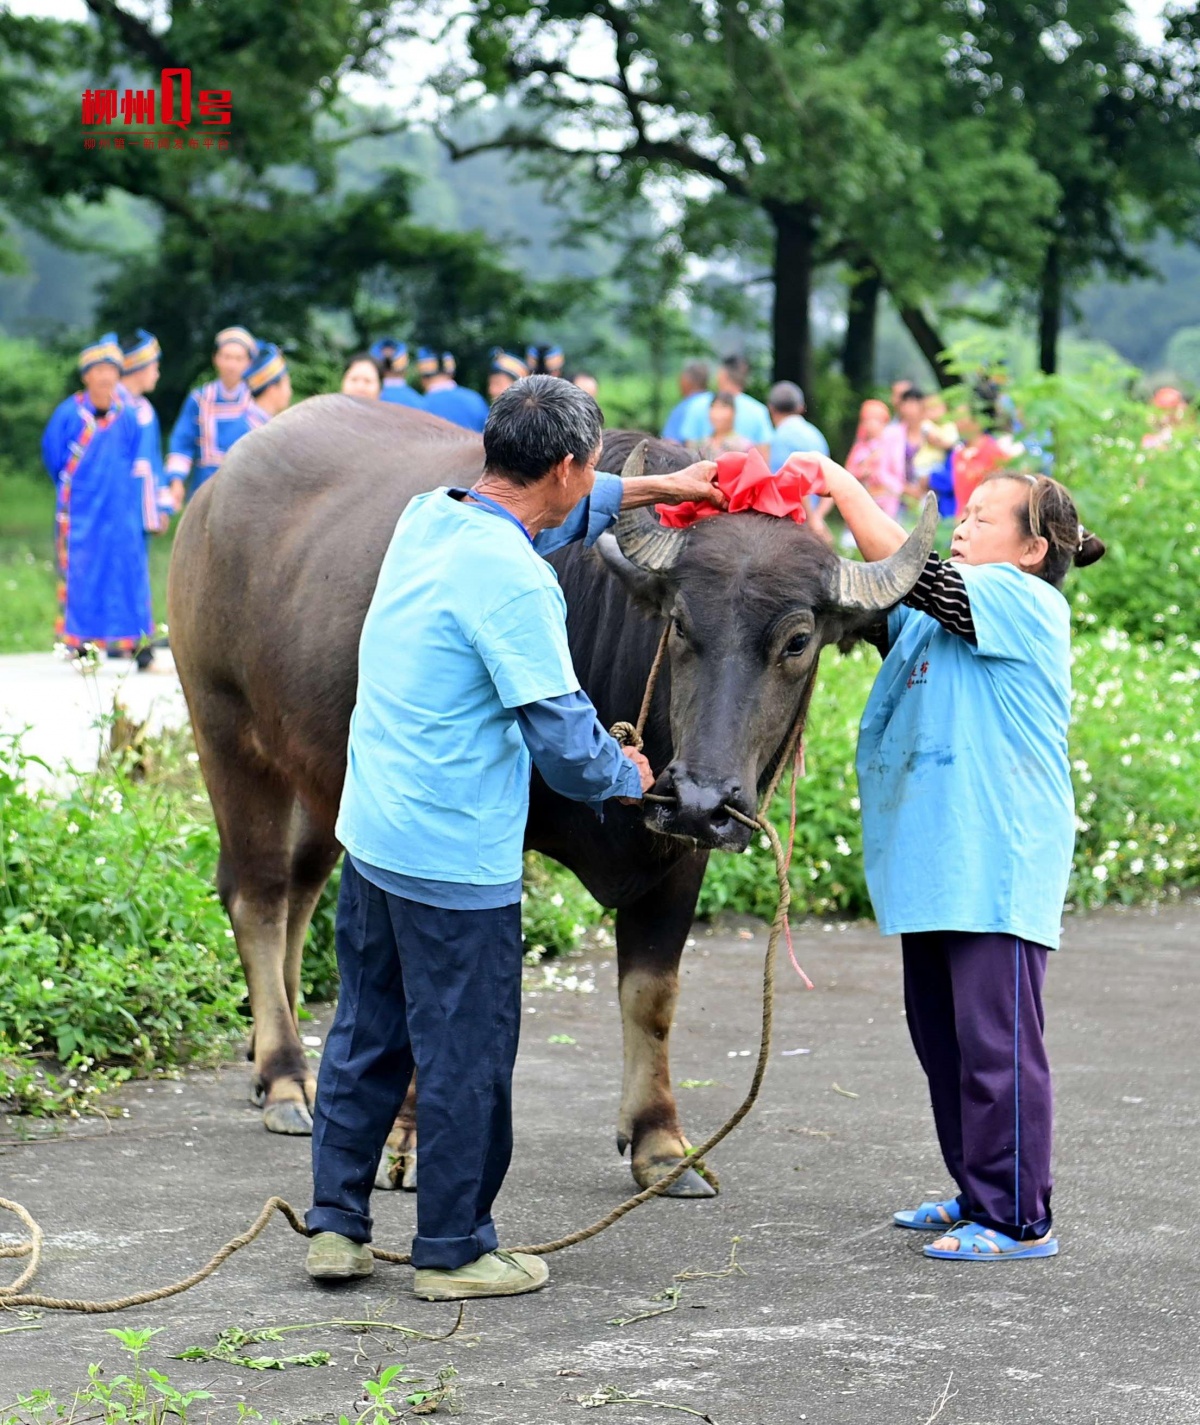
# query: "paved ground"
(57, 704)
(838, 1319)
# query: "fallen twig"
(732, 1268)
(610, 1395)
(32, 1326)
(946, 1397)
(669, 1294)
(845, 1093)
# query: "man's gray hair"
(786, 397)
(538, 422)
(697, 373)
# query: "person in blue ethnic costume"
(214, 416)
(105, 504)
(270, 384)
(444, 396)
(142, 362)
(392, 355)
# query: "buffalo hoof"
(687, 1184)
(397, 1171)
(288, 1116)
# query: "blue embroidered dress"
(106, 502)
(209, 423)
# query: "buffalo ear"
(648, 590)
(866, 628)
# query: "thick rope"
(13, 1297)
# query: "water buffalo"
(273, 569)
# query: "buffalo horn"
(883, 583)
(640, 537)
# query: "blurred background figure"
(142, 361)
(392, 356)
(907, 433)
(362, 376)
(90, 448)
(751, 417)
(877, 456)
(932, 462)
(545, 360)
(505, 368)
(586, 382)
(444, 396)
(792, 432)
(976, 457)
(270, 383)
(898, 388)
(722, 412)
(693, 386)
(213, 416)
(1168, 410)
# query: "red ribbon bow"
(746, 482)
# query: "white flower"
(1100, 872)
(73, 827)
(47, 984)
(1137, 865)
(101, 860)
(841, 845)
(556, 898)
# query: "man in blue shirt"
(750, 417)
(444, 396)
(793, 434)
(693, 386)
(465, 680)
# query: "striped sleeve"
(941, 592)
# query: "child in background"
(724, 438)
(932, 462)
(963, 743)
(877, 457)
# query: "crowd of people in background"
(103, 446)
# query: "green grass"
(28, 603)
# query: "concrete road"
(838, 1319)
(58, 704)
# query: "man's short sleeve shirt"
(467, 623)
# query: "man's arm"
(610, 494)
(575, 755)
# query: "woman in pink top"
(877, 460)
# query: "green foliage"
(556, 911)
(146, 1397)
(33, 378)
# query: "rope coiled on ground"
(14, 1296)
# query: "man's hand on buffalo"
(644, 771)
(696, 482)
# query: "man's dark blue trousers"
(439, 990)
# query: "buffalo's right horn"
(640, 537)
(883, 583)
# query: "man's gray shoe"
(333, 1258)
(493, 1274)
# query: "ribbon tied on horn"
(749, 485)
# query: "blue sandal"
(932, 1216)
(983, 1244)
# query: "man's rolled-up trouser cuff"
(333, 1219)
(447, 1254)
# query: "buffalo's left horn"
(883, 583)
(640, 537)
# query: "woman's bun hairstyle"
(1091, 548)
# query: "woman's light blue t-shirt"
(467, 623)
(963, 771)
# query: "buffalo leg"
(254, 810)
(650, 936)
(398, 1165)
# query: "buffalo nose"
(701, 809)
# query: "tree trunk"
(1050, 307)
(858, 347)
(929, 342)
(791, 332)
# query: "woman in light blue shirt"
(963, 747)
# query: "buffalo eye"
(796, 646)
(677, 626)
